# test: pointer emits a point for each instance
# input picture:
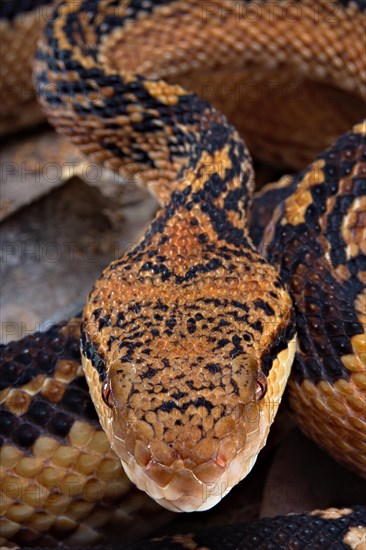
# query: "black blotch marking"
(104, 322)
(191, 325)
(222, 343)
(8, 421)
(170, 323)
(60, 424)
(93, 356)
(25, 435)
(280, 343)
(199, 402)
(39, 412)
(150, 373)
(213, 368)
(258, 326)
(261, 304)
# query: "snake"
(188, 340)
(332, 528)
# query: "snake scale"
(188, 340)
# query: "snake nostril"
(261, 387)
(107, 394)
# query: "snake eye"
(107, 394)
(261, 387)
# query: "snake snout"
(193, 471)
(185, 440)
(187, 426)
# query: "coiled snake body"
(188, 340)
